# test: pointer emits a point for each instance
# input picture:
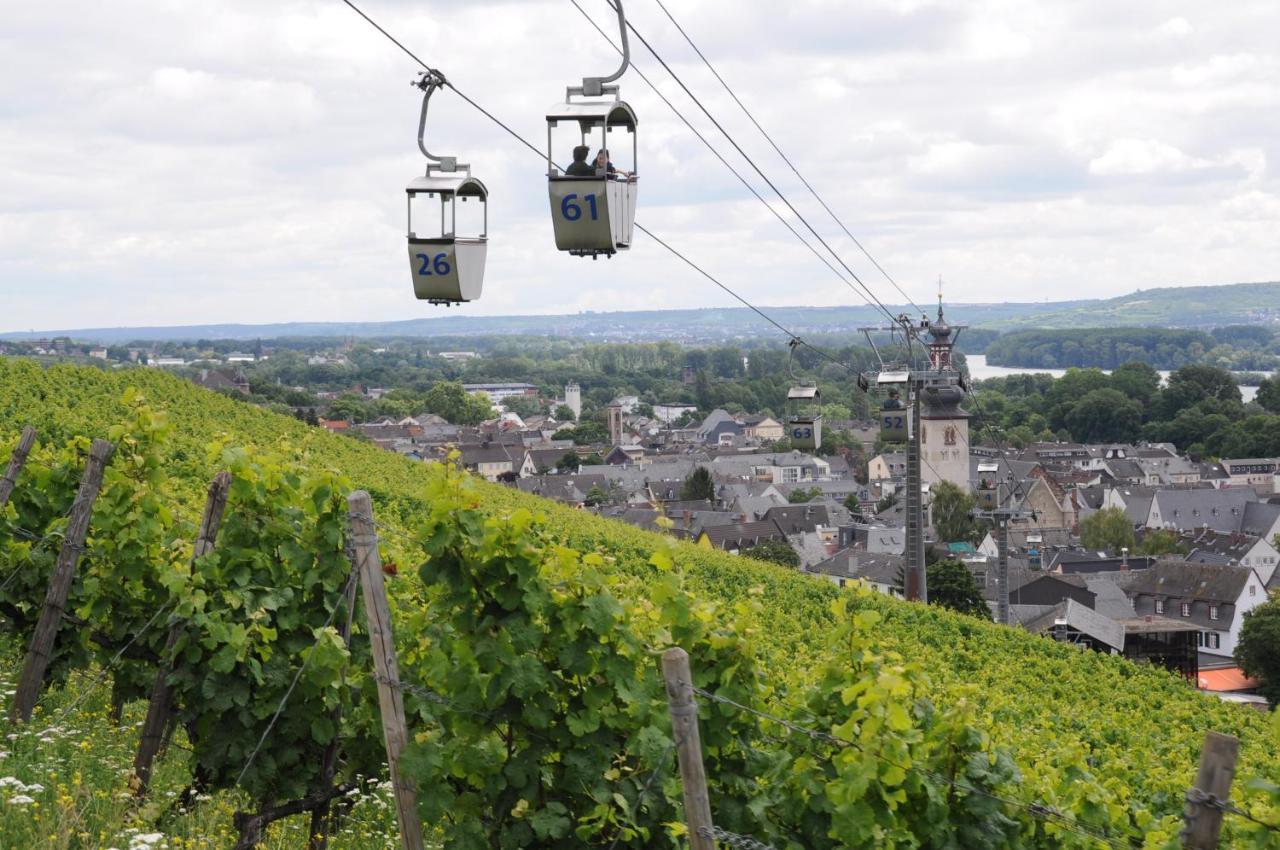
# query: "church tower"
(944, 424)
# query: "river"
(979, 370)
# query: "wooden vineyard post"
(160, 705)
(16, 462)
(318, 837)
(1206, 801)
(684, 726)
(382, 644)
(64, 573)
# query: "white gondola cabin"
(894, 414)
(804, 417)
(988, 486)
(595, 213)
(447, 268)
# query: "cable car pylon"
(900, 419)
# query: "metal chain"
(1198, 797)
(733, 839)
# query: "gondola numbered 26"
(446, 268)
(593, 206)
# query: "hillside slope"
(1077, 723)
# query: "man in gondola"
(580, 167)
(893, 402)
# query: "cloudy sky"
(174, 162)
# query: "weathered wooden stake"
(1217, 769)
(160, 706)
(46, 632)
(382, 644)
(16, 462)
(684, 726)
(318, 838)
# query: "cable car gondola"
(893, 409)
(804, 417)
(593, 208)
(446, 269)
(988, 486)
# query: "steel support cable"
(542, 156)
(786, 159)
(723, 161)
(887, 312)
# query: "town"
(1132, 548)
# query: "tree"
(951, 585)
(801, 495)
(564, 413)
(1137, 380)
(350, 407)
(886, 501)
(524, 406)
(449, 400)
(1108, 529)
(1104, 416)
(951, 513)
(1269, 394)
(698, 486)
(853, 505)
(1160, 541)
(569, 462)
(774, 551)
(1258, 650)
(595, 496)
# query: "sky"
(171, 162)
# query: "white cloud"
(166, 163)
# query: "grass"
(66, 785)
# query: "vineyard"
(212, 623)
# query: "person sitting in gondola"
(602, 162)
(580, 167)
(893, 402)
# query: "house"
(766, 429)
(500, 391)
(738, 536)
(1259, 473)
(881, 572)
(887, 466)
(1213, 598)
(222, 379)
(1074, 623)
(489, 460)
(719, 428)
(795, 519)
(1235, 549)
(1261, 519)
(1221, 510)
(669, 412)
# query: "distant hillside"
(1183, 307)
(1192, 307)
